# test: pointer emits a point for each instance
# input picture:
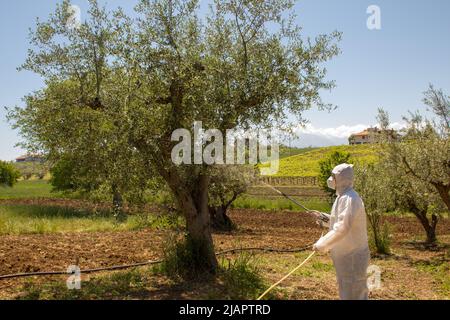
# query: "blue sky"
(387, 68)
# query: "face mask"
(331, 183)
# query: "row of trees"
(118, 86)
(413, 173)
(31, 169)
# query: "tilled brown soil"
(31, 253)
(55, 252)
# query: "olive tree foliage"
(85, 142)
(375, 190)
(128, 184)
(86, 147)
(438, 103)
(141, 78)
(417, 168)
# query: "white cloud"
(342, 131)
(398, 125)
(310, 135)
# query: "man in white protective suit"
(347, 236)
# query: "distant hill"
(306, 162)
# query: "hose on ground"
(286, 276)
(146, 263)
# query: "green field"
(306, 164)
(29, 189)
(42, 219)
(33, 219)
(285, 151)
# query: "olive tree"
(244, 65)
(417, 168)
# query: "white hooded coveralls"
(347, 237)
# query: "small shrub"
(380, 241)
(180, 258)
(8, 174)
(63, 175)
(242, 277)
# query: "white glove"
(322, 218)
(322, 223)
(318, 248)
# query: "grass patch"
(242, 277)
(29, 189)
(321, 266)
(440, 270)
(254, 202)
(314, 268)
(32, 219)
(282, 264)
(119, 285)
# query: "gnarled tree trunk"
(218, 214)
(444, 192)
(220, 221)
(194, 206)
(429, 226)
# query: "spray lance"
(320, 215)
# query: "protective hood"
(344, 177)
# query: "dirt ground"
(401, 279)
